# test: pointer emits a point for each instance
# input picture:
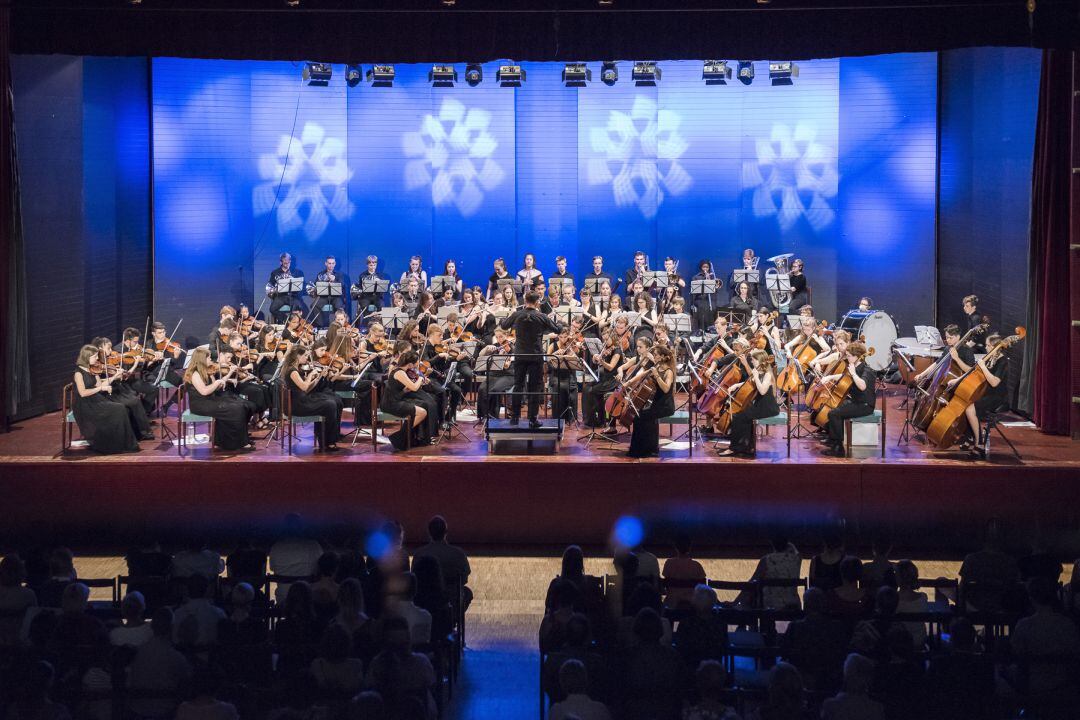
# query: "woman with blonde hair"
(759, 371)
(206, 396)
(645, 436)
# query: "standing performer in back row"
(529, 326)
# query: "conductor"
(529, 326)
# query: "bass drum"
(879, 332)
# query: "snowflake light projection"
(452, 152)
(640, 154)
(794, 176)
(313, 175)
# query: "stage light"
(316, 73)
(645, 73)
(746, 72)
(576, 74)
(381, 75)
(292, 3)
(605, 3)
(449, 3)
(442, 75)
(609, 73)
(783, 72)
(353, 75)
(510, 75)
(628, 532)
(716, 72)
(474, 74)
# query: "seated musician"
(800, 296)
(749, 261)
(329, 274)
(426, 394)
(962, 355)
(103, 421)
(561, 378)
(131, 347)
(605, 365)
(807, 331)
(248, 384)
(426, 311)
(373, 354)
(860, 400)
(220, 339)
(741, 432)
(744, 302)
(207, 395)
(648, 316)
(310, 394)
(992, 401)
(158, 350)
(440, 354)
(447, 298)
(509, 298)
(368, 302)
(841, 338)
(500, 374)
(450, 271)
(763, 320)
(865, 304)
(645, 434)
(122, 392)
(738, 345)
(227, 312)
(271, 352)
(595, 313)
(278, 301)
(399, 398)
(415, 272)
(636, 273)
(481, 323)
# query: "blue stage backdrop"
(839, 168)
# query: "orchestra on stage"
(613, 353)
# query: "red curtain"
(1050, 246)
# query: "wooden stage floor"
(515, 498)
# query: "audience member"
(870, 636)
(849, 599)
(816, 645)
(701, 635)
(353, 617)
(294, 555)
(648, 565)
(400, 675)
(452, 560)
(573, 575)
(960, 679)
(553, 626)
(246, 563)
(431, 596)
(195, 623)
(31, 695)
(784, 699)
(853, 702)
(643, 596)
(912, 600)
(682, 572)
(333, 669)
(75, 628)
(157, 669)
(61, 574)
(324, 589)
(650, 687)
(709, 680)
(879, 570)
(135, 630)
(825, 566)
(782, 563)
(989, 574)
(15, 598)
(241, 627)
(574, 681)
(577, 646)
(418, 618)
(1046, 645)
(197, 559)
(898, 680)
(204, 704)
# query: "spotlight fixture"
(292, 3)
(716, 72)
(442, 75)
(609, 73)
(746, 72)
(353, 75)
(783, 72)
(510, 75)
(449, 3)
(381, 75)
(474, 74)
(317, 73)
(645, 73)
(576, 74)
(605, 3)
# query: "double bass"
(949, 422)
(928, 393)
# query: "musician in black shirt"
(529, 325)
(330, 303)
(860, 400)
(560, 271)
(282, 303)
(368, 303)
(799, 294)
(637, 272)
(598, 274)
(975, 319)
(994, 398)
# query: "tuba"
(773, 277)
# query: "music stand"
(439, 283)
(569, 311)
(442, 313)
(779, 283)
(655, 279)
(512, 282)
(500, 313)
(928, 335)
(678, 324)
(742, 275)
(630, 315)
(374, 286)
(559, 283)
(289, 285)
(451, 422)
(392, 319)
(592, 284)
(733, 315)
(326, 290)
(704, 287)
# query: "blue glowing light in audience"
(628, 531)
(378, 545)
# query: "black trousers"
(326, 316)
(528, 376)
(278, 301)
(846, 411)
(498, 385)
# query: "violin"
(332, 362)
(167, 346)
(251, 324)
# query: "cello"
(832, 394)
(949, 422)
(929, 393)
(743, 398)
(717, 389)
(790, 379)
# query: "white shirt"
(206, 617)
(581, 706)
(419, 621)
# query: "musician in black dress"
(749, 263)
(101, 420)
(645, 435)
(995, 369)
(704, 305)
(500, 273)
(480, 322)
(368, 301)
(529, 326)
(648, 316)
(310, 394)
(206, 394)
(605, 365)
(799, 294)
(450, 271)
(248, 383)
(860, 400)
(561, 375)
(500, 374)
(135, 380)
(759, 370)
(123, 393)
(280, 301)
(399, 398)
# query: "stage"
(540, 499)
